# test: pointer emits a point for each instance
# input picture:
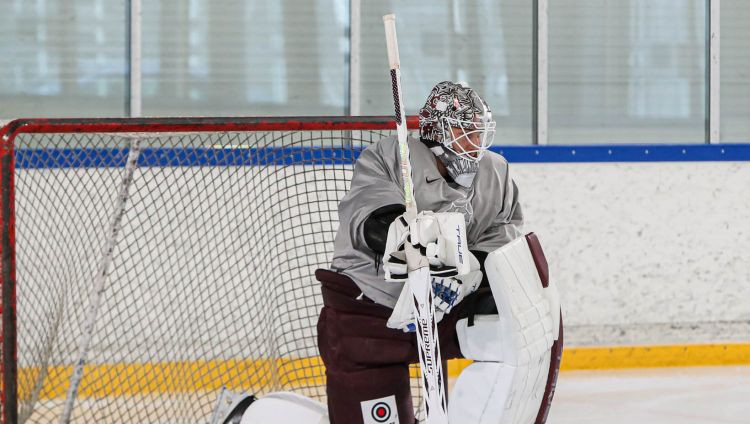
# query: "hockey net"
(198, 238)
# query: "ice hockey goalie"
(494, 298)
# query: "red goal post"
(221, 222)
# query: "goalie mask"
(457, 125)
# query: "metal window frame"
(355, 42)
(540, 71)
(713, 71)
(134, 96)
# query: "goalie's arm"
(374, 185)
(375, 229)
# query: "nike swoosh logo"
(429, 181)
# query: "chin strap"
(461, 170)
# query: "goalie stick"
(430, 361)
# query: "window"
(625, 71)
(629, 71)
(239, 57)
(735, 71)
(484, 43)
(63, 58)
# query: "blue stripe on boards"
(173, 156)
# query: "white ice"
(715, 395)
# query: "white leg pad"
(513, 348)
(478, 394)
(285, 407)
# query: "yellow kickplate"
(589, 358)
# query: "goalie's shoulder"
(495, 161)
(388, 147)
(384, 145)
(391, 143)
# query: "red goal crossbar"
(199, 124)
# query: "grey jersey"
(490, 207)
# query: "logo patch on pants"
(380, 411)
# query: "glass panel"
(627, 71)
(62, 58)
(486, 43)
(735, 77)
(240, 57)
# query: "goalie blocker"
(517, 351)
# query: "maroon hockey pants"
(364, 359)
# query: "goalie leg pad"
(280, 407)
(285, 407)
(475, 395)
(516, 346)
(479, 392)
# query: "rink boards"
(644, 254)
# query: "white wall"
(645, 253)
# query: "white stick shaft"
(391, 43)
(403, 146)
(430, 360)
(393, 61)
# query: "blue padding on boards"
(170, 157)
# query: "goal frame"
(8, 134)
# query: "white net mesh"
(211, 283)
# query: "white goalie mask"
(458, 119)
(469, 139)
(457, 125)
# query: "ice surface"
(715, 395)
